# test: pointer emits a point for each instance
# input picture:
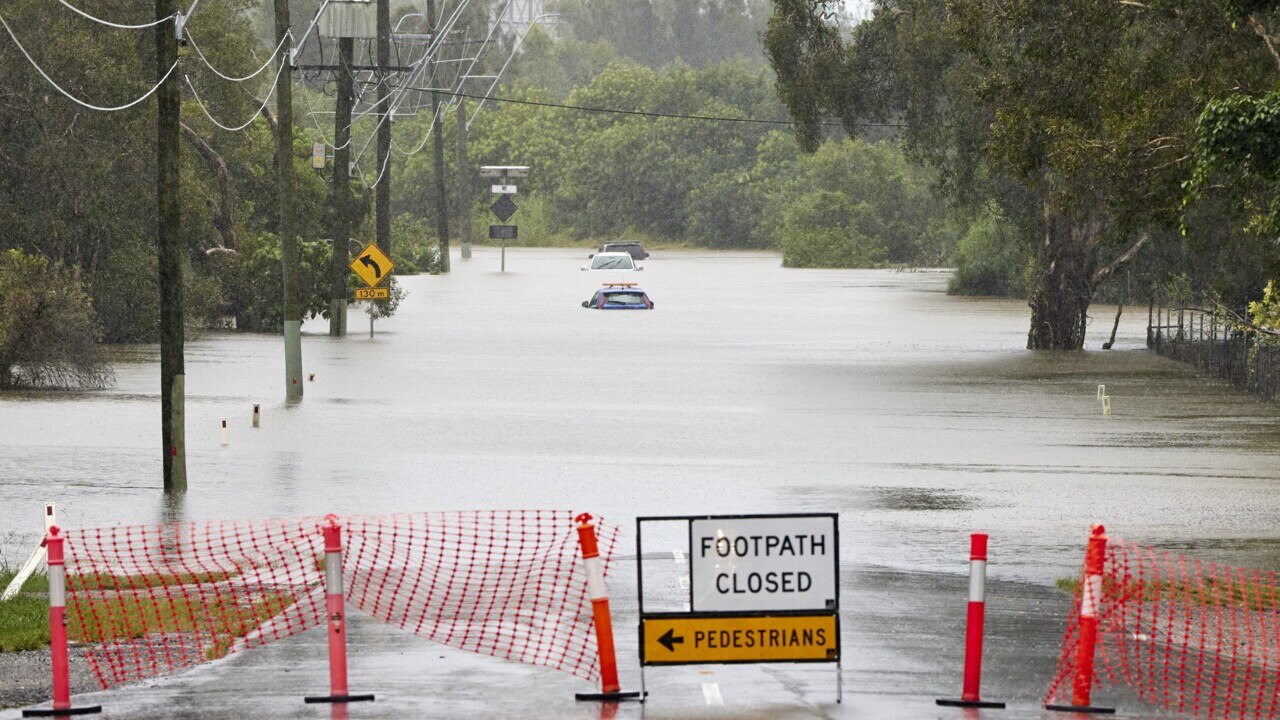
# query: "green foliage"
(1266, 312)
(253, 282)
(857, 204)
(48, 336)
(991, 260)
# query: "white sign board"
(503, 189)
(763, 564)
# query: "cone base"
(948, 702)
(609, 697)
(1082, 709)
(50, 712)
(312, 699)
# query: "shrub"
(48, 334)
(991, 260)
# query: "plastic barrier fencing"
(1199, 639)
(157, 599)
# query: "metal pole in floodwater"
(58, 634)
(973, 628)
(256, 414)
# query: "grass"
(24, 619)
(1209, 592)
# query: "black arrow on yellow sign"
(368, 262)
(669, 640)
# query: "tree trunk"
(1064, 281)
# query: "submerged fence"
(1218, 341)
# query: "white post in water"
(1106, 404)
(225, 438)
(37, 556)
(1102, 391)
(257, 412)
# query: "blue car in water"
(619, 296)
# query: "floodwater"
(749, 389)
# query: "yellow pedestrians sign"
(372, 265)
(682, 639)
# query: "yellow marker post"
(695, 639)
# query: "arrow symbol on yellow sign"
(368, 262)
(669, 640)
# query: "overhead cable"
(250, 76)
(120, 26)
(252, 117)
(677, 116)
(73, 98)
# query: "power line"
(119, 26)
(192, 41)
(611, 111)
(73, 98)
(252, 117)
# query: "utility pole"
(383, 192)
(341, 190)
(169, 240)
(288, 233)
(464, 182)
(437, 130)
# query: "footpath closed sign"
(760, 589)
(763, 564)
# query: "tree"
(1075, 117)
(48, 336)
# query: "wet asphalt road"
(750, 388)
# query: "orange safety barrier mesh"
(1200, 639)
(150, 600)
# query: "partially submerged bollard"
(969, 696)
(256, 414)
(610, 689)
(1090, 598)
(58, 634)
(337, 619)
(226, 439)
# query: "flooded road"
(749, 389)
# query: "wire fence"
(1197, 638)
(1219, 341)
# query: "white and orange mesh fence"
(1200, 639)
(151, 600)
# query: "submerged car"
(634, 249)
(619, 296)
(612, 261)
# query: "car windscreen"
(619, 297)
(612, 262)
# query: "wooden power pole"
(288, 231)
(169, 240)
(464, 182)
(437, 130)
(341, 190)
(382, 199)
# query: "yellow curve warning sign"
(685, 639)
(372, 265)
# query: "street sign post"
(761, 589)
(372, 265)
(504, 208)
